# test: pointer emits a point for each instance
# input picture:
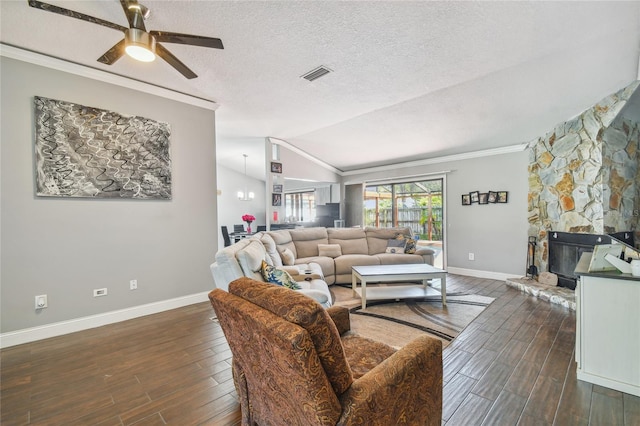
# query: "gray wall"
(295, 166)
(65, 248)
(495, 233)
(230, 209)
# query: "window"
(300, 206)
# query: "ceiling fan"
(138, 43)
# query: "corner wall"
(583, 174)
(495, 233)
(65, 247)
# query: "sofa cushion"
(398, 259)
(287, 256)
(329, 250)
(250, 259)
(410, 243)
(364, 354)
(310, 315)
(273, 275)
(377, 237)
(395, 246)
(351, 240)
(283, 240)
(346, 261)
(271, 249)
(326, 264)
(306, 240)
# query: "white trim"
(301, 153)
(409, 178)
(100, 75)
(455, 157)
(444, 159)
(32, 334)
(481, 274)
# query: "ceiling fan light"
(144, 11)
(140, 45)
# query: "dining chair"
(238, 228)
(225, 236)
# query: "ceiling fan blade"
(134, 14)
(72, 14)
(174, 62)
(113, 54)
(193, 40)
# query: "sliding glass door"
(416, 204)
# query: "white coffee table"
(391, 273)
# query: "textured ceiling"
(411, 80)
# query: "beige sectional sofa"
(358, 247)
(315, 257)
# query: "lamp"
(246, 195)
(140, 45)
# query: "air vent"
(316, 73)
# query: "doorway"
(417, 204)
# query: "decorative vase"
(248, 227)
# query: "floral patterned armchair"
(296, 363)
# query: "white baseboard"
(481, 274)
(32, 334)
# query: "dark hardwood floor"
(513, 365)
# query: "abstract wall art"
(82, 151)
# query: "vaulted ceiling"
(409, 80)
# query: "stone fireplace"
(584, 176)
(565, 249)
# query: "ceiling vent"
(316, 73)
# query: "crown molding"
(304, 154)
(40, 59)
(437, 160)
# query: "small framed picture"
(493, 197)
(466, 200)
(276, 200)
(277, 188)
(276, 167)
(503, 197)
(483, 198)
(475, 196)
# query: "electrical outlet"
(41, 302)
(97, 292)
(472, 256)
(133, 285)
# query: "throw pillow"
(287, 256)
(277, 276)
(410, 243)
(395, 246)
(329, 250)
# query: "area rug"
(397, 322)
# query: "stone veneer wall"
(583, 175)
(621, 154)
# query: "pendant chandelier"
(245, 195)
